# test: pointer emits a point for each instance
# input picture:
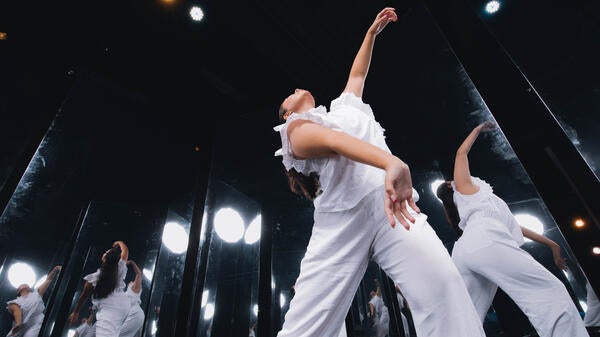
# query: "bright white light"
(229, 225)
(21, 273)
(596, 250)
(434, 186)
(203, 228)
(282, 300)
(492, 7)
(147, 273)
(209, 311)
(531, 222)
(153, 328)
(272, 284)
(196, 13)
(204, 298)
(175, 237)
(40, 281)
(255, 309)
(70, 333)
(566, 274)
(583, 306)
(253, 231)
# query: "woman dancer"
(135, 319)
(488, 253)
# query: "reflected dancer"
(379, 312)
(28, 308)
(135, 319)
(488, 253)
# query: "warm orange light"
(168, 2)
(579, 223)
(3, 36)
(197, 149)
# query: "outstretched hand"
(559, 260)
(488, 126)
(398, 194)
(384, 17)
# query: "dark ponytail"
(446, 194)
(109, 273)
(308, 186)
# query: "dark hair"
(308, 186)
(109, 273)
(446, 194)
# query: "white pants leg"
(337, 257)
(592, 316)
(33, 331)
(382, 327)
(133, 323)
(539, 294)
(417, 261)
(112, 312)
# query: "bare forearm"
(362, 60)
(15, 310)
(466, 145)
(538, 238)
(361, 151)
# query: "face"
(23, 290)
(301, 100)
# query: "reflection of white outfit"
(82, 330)
(488, 256)
(400, 299)
(592, 315)
(382, 317)
(135, 319)
(113, 309)
(350, 227)
(91, 332)
(32, 308)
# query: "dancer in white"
(592, 315)
(107, 289)
(360, 190)
(28, 308)
(379, 312)
(488, 253)
(135, 319)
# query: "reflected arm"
(87, 291)
(16, 312)
(44, 286)
(559, 260)
(124, 250)
(137, 282)
(462, 172)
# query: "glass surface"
(555, 45)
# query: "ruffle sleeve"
(317, 115)
(350, 99)
(93, 278)
(485, 190)
(18, 301)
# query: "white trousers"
(382, 326)
(592, 316)
(539, 294)
(132, 326)
(336, 259)
(111, 314)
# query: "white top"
(120, 285)
(32, 306)
(379, 305)
(82, 329)
(344, 182)
(134, 297)
(485, 206)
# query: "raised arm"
(362, 60)
(462, 173)
(124, 249)
(378, 288)
(311, 140)
(559, 260)
(137, 282)
(44, 286)
(15, 311)
(85, 294)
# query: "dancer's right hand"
(398, 190)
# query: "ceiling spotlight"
(492, 7)
(253, 231)
(21, 273)
(196, 13)
(209, 311)
(579, 223)
(3, 36)
(175, 237)
(229, 225)
(596, 250)
(531, 222)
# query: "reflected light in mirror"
(531, 222)
(209, 311)
(579, 223)
(196, 13)
(204, 298)
(596, 250)
(203, 228)
(583, 306)
(40, 281)
(21, 273)
(492, 7)
(253, 231)
(153, 328)
(282, 300)
(175, 237)
(147, 274)
(229, 225)
(70, 333)
(434, 185)
(255, 309)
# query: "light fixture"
(153, 328)
(209, 311)
(531, 222)
(229, 225)
(492, 7)
(596, 250)
(434, 186)
(175, 237)
(21, 273)
(253, 231)
(255, 309)
(282, 300)
(3, 36)
(204, 298)
(196, 13)
(579, 223)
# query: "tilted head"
(445, 193)
(300, 101)
(23, 289)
